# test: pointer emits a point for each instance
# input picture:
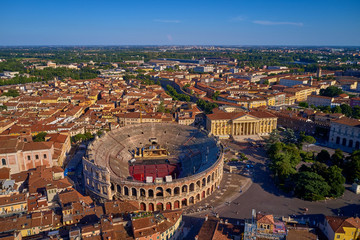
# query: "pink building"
(22, 156)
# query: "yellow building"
(226, 124)
(301, 93)
(341, 228)
(14, 203)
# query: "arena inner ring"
(156, 166)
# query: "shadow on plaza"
(351, 210)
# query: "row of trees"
(176, 96)
(11, 93)
(345, 109)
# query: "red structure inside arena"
(140, 172)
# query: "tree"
(338, 158)
(346, 109)
(216, 95)
(40, 137)
(323, 156)
(336, 181)
(11, 93)
(289, 136)
(331, 91)
(336, 109)
(311, 186)
(274, 137)
(303, 104)
(161, 107)
(352, 167)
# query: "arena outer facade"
(105, 166)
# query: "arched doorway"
(344, 142)
(151, 207)
(151, 193)
(168, 206)
(350, 143)
(168, 192)
(143, 206)
(191, 200)
(126, 191)
(198, 197)
(176, 204)
(337, 140)
(176, 191)
(159, 207)
(203, 195)
(159, 192)
(184, 189)
(184, 202)
(192, 187)
(133, 192)
(142, 192)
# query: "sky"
(171, 22)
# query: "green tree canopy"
(323, 156)
(40, 137)
(331, 91)
(311, 186)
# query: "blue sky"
(251, 22)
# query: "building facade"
(225, 124)
(345, 134)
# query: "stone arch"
(150, 193)
(184, 202)
(151, 207)
(112, 187)
(344, 142)
(208, 179)
(212, 176)
(351, 143)
(198, 197)
(203, 182)
(126, 191)
(142, 192)
(143, 206)
(191, 200)
(133, 192)
(337, 140)
(177, 191)
(118, 188)
(159, 206)
(212, 188)
(203, 195)
(357, 145)
(192, 187)
(168, 192)
(176, 204)
(208, 192)
(168, 206)
(198, 184)
(184, 189)
(159, 192)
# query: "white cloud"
(261, 22)
(166, 21)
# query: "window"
(3, 161)
(36, 157)
(44, 155)
(29, 158)
(337, 236)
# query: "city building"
(225, 125)
(335, 227)
(345, 134)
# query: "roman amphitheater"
(157, 166)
